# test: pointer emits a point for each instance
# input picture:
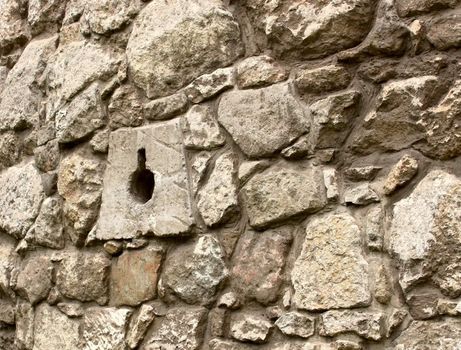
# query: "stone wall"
(230, 175)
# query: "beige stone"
(259, 71)
(248, 327)
(402, 172)
(322, 79)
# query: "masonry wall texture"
(230, 174)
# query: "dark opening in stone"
(142, 181)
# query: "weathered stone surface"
(100, 141)
(21, 195)
(209, 85)
(34, 279)
(416, 7)
(258, 264)
(194, 271)
(108, 15)
(383, 285)
(45, 14)
(361, 173)
(322, 79)
(54, 330)
(443, 335)
(7, 337)
(7, 313)
(84, 276)
(361, 194)
(330, 178)
(422, 306)
(331, 272)
(248, 168)
(217, 199)
(47, 156)
(394, 320)
(20, 99)
(444, 32)
(161, 204)
(374, 228)
(181, 328)
(24, 337)
(10, 149)
(80, 184)
(165, 30)
(402, 172)
(139, 325)
(365, 324)
(71, 309)
(125, 108)
(134, 276)
(13, 30)
(296, 324)
(250, 327)
(199, 166)
(200, 129)
(105, 328)
(166, 107)
(262, 121)
(298, 150)
(279, 194)
(259, 71)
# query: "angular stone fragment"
(21, 195)
(216, 322)
(217, 199)
(366, 324)
(262, 121)
(165, 30)
(146, 187)
(24, 335)
(415, 7)
(296, 324)
(20, 99)
(84, 276)
(209, 85)
(401, 173)
(71, 309)
(166, 107)
(7, 313)
(443, 334)
(279, 194)
(422, 306)
(361, 194)
(315, 28)
(331, 272)
(259, 71)
(330, 177)
(13, 30)
(374, 228)
(105, 328)
(100, 141)
(383, 285)
(250, 327)
(10, 149)
(193, 272)
(258, 264)
(394, 320)
(134, 276)
(181, 328)
(199, 166)
(45, 14)
(139, 325)
(7, 263)
(80, 184)
(47, 156)
(34, 279)
(362, 173)
(445, 32)
(200, 129)
(54, 330)
(248, 168)
(298, 150)
(322, 79)
(125, 108)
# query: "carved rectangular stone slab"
(126, 210)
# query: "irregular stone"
(134, 276)
(296, 323)
(374, 228)
(443, 335)
(332, 118)
(199, 166)
(105, 328)
(125, 108)
(402, 172)
(383, 285)
(7, 339)
(394, 320)
(216, 322)
(13, 29)
(259, 71)
(7, 262)
(364, 324)
(80, 184)
(100, 141)
(20, 99)
(448, 307)
(84, 276)
(194, 271)
(280, 194)
(34, 279)
(10, 149)
(323, 79)
(407, 8)
(166, 107)
(209, 85)
(50, 183)
(181, 327)
(362, 173)
(444, 32)
(200, 129)
(262, 121)
(258, 264)
(422, 306)
(138, 325)
(423, 247)
(71, 309)
(113, 247)
(146, 187)
(250, 327)
(313, 29)
(21, 195)
(248, 168)
(298, 150)
(164, 30)
(24, 335)
(107, 16)
(228, 300)
(361, 194)
(217, 199)
(331, 271)
(330, 177)
(45, 14)
(54, 330)
(47, 156)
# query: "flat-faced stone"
(10, 149)
(249, 327)
(146, 188)
(415, 7)
(125, 108)
(165, 30)
(322, 79)
(21, 195)
(134, 276)
(139, 324)
(24, 318)
(296, 324)
(209, 85)
(279, 194)
(331, 271)
(444, 32)
(42, 15)
(34, 279)
(13, 29)
(259, 71)
(262, 121)
(166, 107)
(361, 194)
(402, 172)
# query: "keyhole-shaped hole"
(142, 180)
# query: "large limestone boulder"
(173, 43)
